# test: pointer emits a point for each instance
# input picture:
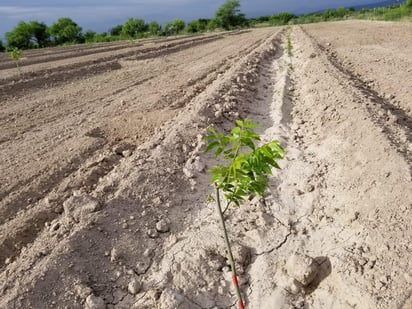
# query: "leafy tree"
(19, 37)
(263, 19)
(174, 27)
(281, 18)
(116, 30)
(178, 25)
(340, 12)
(193, 26)
(133, 27)
(28, 35)
(212, 25)
(89, 36)
(2, 49)
(258, 20)
(39, 33)
(327, 14)
(229, 16)
(409, 3)
(101, 37)
(197, 25)
(154, 28)
(65, 30)
(202, 24)
(168, 28)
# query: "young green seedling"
(16, 54)
(244, 174)
(289, 47)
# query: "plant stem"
(18, 67)
(226, 208)
(229, 249)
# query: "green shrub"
(116, 30)
(282, 18)
(174, 27)
(66, 31)
(133, 27)
(154, 28)
(101, 37)
(16, 54)
(212, 25)
(392, 15)
(192, 26)
(28, 35)
(89, 36)
(340, 12)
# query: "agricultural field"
(104, 182)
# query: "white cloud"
(16, 10)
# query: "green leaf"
(239, 123)
(212, 130)
(248, 142)
(218, 151)
(267, 170)
(210, 138)
(266, 151)
(236, 130)
(249, 124)
(245, 171)
(211, 146)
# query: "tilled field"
(103, 185)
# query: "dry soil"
(104, 183)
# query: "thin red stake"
(232, 261)
(235, 282)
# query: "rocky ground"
(104, 176)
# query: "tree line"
(392, 12)
(35, 34)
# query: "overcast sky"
(101, 15)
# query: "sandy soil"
(104, 183)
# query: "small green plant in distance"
(289, 47)
(16, 54)
(244, 174)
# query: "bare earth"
(103, 179)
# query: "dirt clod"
(163, 226)
(134, 287)
(79, 206)
(302, 268)
(95, 302)
(126, 153)
(114, 255)
(172, 299)
(188, 173)
(153, 233)
(82, 291)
